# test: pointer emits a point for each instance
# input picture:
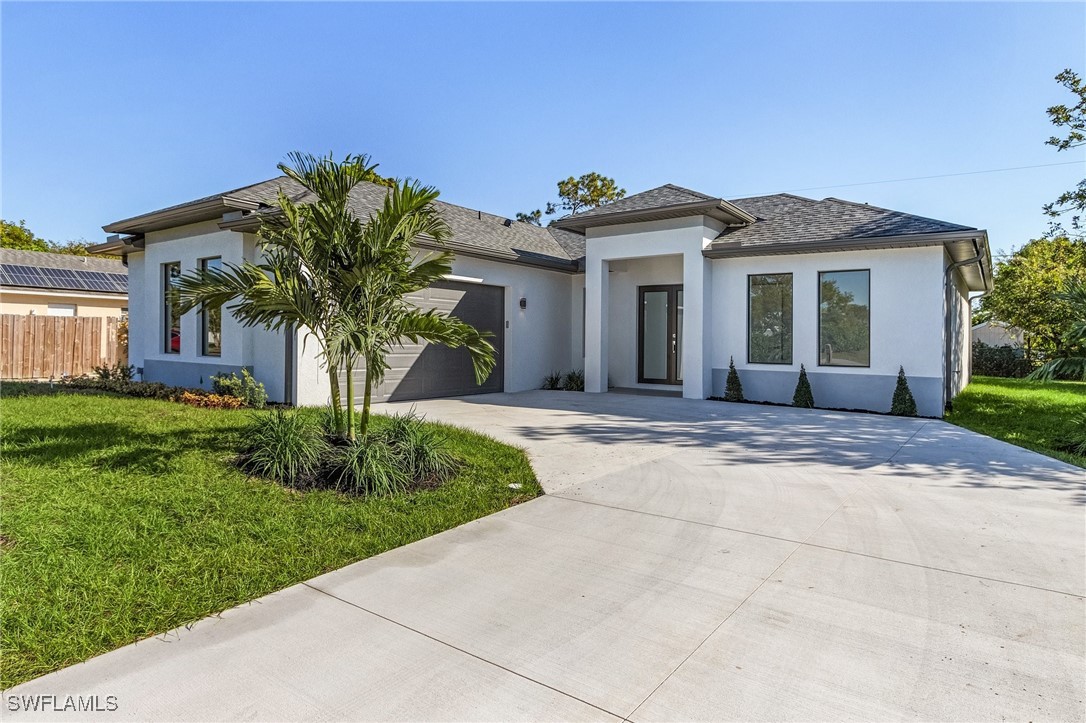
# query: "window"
(211, 318)
(60, 310)
(844, 318)
(171, 314)
(769, 328)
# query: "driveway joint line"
(461, 650)
(905, 444)
(804, 543)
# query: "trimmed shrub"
(803, 397)
(244, 387)
(903, 403)
(733, 388)
(573, 381)
(423, 449)
(120, 371)
(367, 466)
(284, 446)
(211, 401)
(999, 361)
(552, 381)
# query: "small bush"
(803, 396)
(120, 371)
(733, 388)
(903, 403)
(999, 361)
(211, 401)
(552, 381)
(284, 446)
(423, 449)
(367, 466)
(244, 387)
(573, 381)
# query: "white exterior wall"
(262, 351)
(907, 323)
(537, 339)
(684, 238)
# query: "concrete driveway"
(692, 560)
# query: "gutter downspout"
(949, 320)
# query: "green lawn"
(1044, 417)
(123, 518)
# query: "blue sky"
(110, 110)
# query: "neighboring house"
(36, 282)
(654, 291)
(996, 333)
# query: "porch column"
(697, 318)
(595, 325)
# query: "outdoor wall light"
(523, 303)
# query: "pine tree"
(733, 388)
(803, 396)
(903, 404)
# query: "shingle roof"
(784, 219)
(666, 195)
(780, 219)
(470, 228)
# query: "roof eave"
(979, 237)
(206, 210)
(716, 208)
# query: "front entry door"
(660, 334)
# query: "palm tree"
(377, 276)
(302, 246)
(1071, 360)
(342, 280)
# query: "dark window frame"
(818, 319)
(205, 314)
(167, 316)
(792, 317)
(672, 330)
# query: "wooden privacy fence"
(50, 347)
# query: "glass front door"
(660, 332)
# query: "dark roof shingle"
(786, 219)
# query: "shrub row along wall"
(51, 347)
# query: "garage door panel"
(421, 371)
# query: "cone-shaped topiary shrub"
(903, 404)
(733, 388)
(803, 396)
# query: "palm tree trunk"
(366, 398)
(337, 405)
(350, 398)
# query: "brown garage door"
(423, 371)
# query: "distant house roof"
(62, 272)
(779, 223)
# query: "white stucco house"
(655, 291)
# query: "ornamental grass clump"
(367, 466)
(803, 396)
(302, 450)
(422, 448)
(574, 381)
(733, 388)
(552, 381)
(903, 403)
(287, 447)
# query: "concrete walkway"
(692, 561)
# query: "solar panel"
(69, 279)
